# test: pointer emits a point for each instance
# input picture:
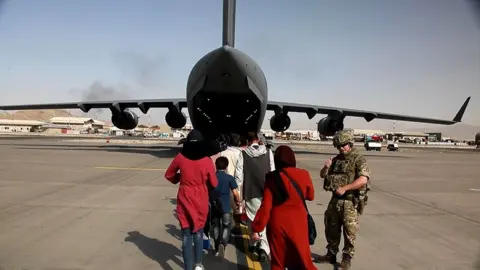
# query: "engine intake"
(175, 119)
(280, 122)
(125, 120)
(328, 126)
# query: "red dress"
(287, 227)
(192, 196)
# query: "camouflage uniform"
(344, 210)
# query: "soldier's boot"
(346, 262)
(327, 258)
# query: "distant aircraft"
(227, 92)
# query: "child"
(221, 216)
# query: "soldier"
(347, 176)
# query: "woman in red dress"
(283, 213)
(196, 172)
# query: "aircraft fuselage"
(226, 92)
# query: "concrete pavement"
(98, 206)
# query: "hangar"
(9, 125)
(78, 123)
(72, 125)
(56, 129)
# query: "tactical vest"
(343, 172)
(254, 171)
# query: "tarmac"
(77, 205)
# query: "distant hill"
(38, 115)
(44, 115)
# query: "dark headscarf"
(284, 157)
(195, 147)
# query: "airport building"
(368, 132)
(407, 136)
(70, 125)
(8, 125)
(435, 137)
(56, 129)
(299, 134)
(77, 122)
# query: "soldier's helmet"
(343, 137)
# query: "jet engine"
(175, 119)
(329, 126)
(125, 120)
(280, 122)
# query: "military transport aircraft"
(227, 92)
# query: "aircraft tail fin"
(458, 117)
(229, 7)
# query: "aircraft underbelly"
(223, 113)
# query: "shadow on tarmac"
(156, 250)
(163, 252)
(156, 151)
(315, 255)
(174, 231)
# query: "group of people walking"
(249, 178)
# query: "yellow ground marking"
(130, 168)
(245, 235)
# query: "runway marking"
(130, 168)
(475, 189)
(245, 235)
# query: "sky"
(410, 57)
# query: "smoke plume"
(145, 71)
(98, 92)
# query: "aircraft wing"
(144, 105)
(312, 110)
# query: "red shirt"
(192, 196)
